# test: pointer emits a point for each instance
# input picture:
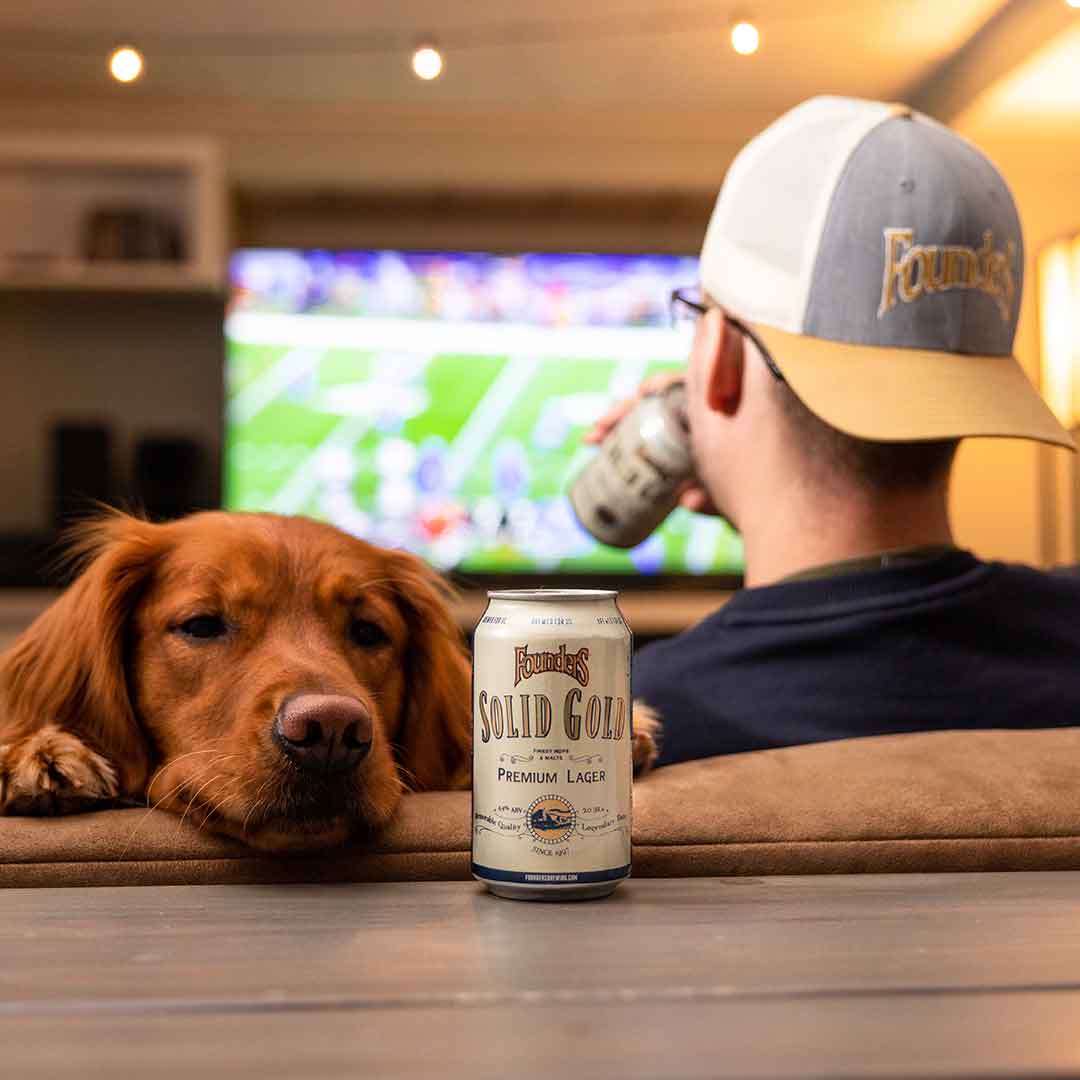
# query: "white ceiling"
(639, 95)
(591, 54)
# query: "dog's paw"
(644, 743)
(53, 772)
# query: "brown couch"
(974, 800)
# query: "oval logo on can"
(551, 819)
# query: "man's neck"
(781, 540)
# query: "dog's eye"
(203, 627)
(366, 634)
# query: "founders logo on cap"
(913, 271)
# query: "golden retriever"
(272, 678)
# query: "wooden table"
(946, 975)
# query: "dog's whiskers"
(214, 809)
(255, 802)
(408, 779)
(173, 761)
(191, 800)
(168, 794)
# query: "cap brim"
(908, 395)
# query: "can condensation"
(552, 766)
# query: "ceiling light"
(427, 62)
(1073, 3)
(745, 38)
(125, 64)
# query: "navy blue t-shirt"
(949, 642)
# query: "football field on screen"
(462, 457)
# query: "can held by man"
(636, 477)
(552, 766)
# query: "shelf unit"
(50, 184)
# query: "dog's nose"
(323, 732)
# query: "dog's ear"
(67, 668)
(435, 742)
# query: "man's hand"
(693, 496)
(657, 384)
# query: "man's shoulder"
(1061, 581)
(1037, 594)
(794, 614)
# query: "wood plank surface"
(920, 975)
(1009, 1035)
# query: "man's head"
(863, 268)
(748, 427)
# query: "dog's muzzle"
(323, 733)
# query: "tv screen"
(436, 400)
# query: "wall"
(144, 364)
(1015, 500)
(281, 145)
(154, 363)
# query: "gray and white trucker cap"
(879, 257)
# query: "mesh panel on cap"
(762, 241)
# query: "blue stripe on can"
(539, 878)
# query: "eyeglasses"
(682, 303)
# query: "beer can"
(635, 479)
(552, 764)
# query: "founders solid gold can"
(551, 745)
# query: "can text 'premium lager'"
(551, 745)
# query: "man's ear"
(725, 356)
(67, 669)
(435, 741)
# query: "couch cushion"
(972, 800)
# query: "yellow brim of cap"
(908, 395)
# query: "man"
(861, 281)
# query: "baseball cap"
(878, 255)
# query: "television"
(435, 401)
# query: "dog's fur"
(106, 698)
